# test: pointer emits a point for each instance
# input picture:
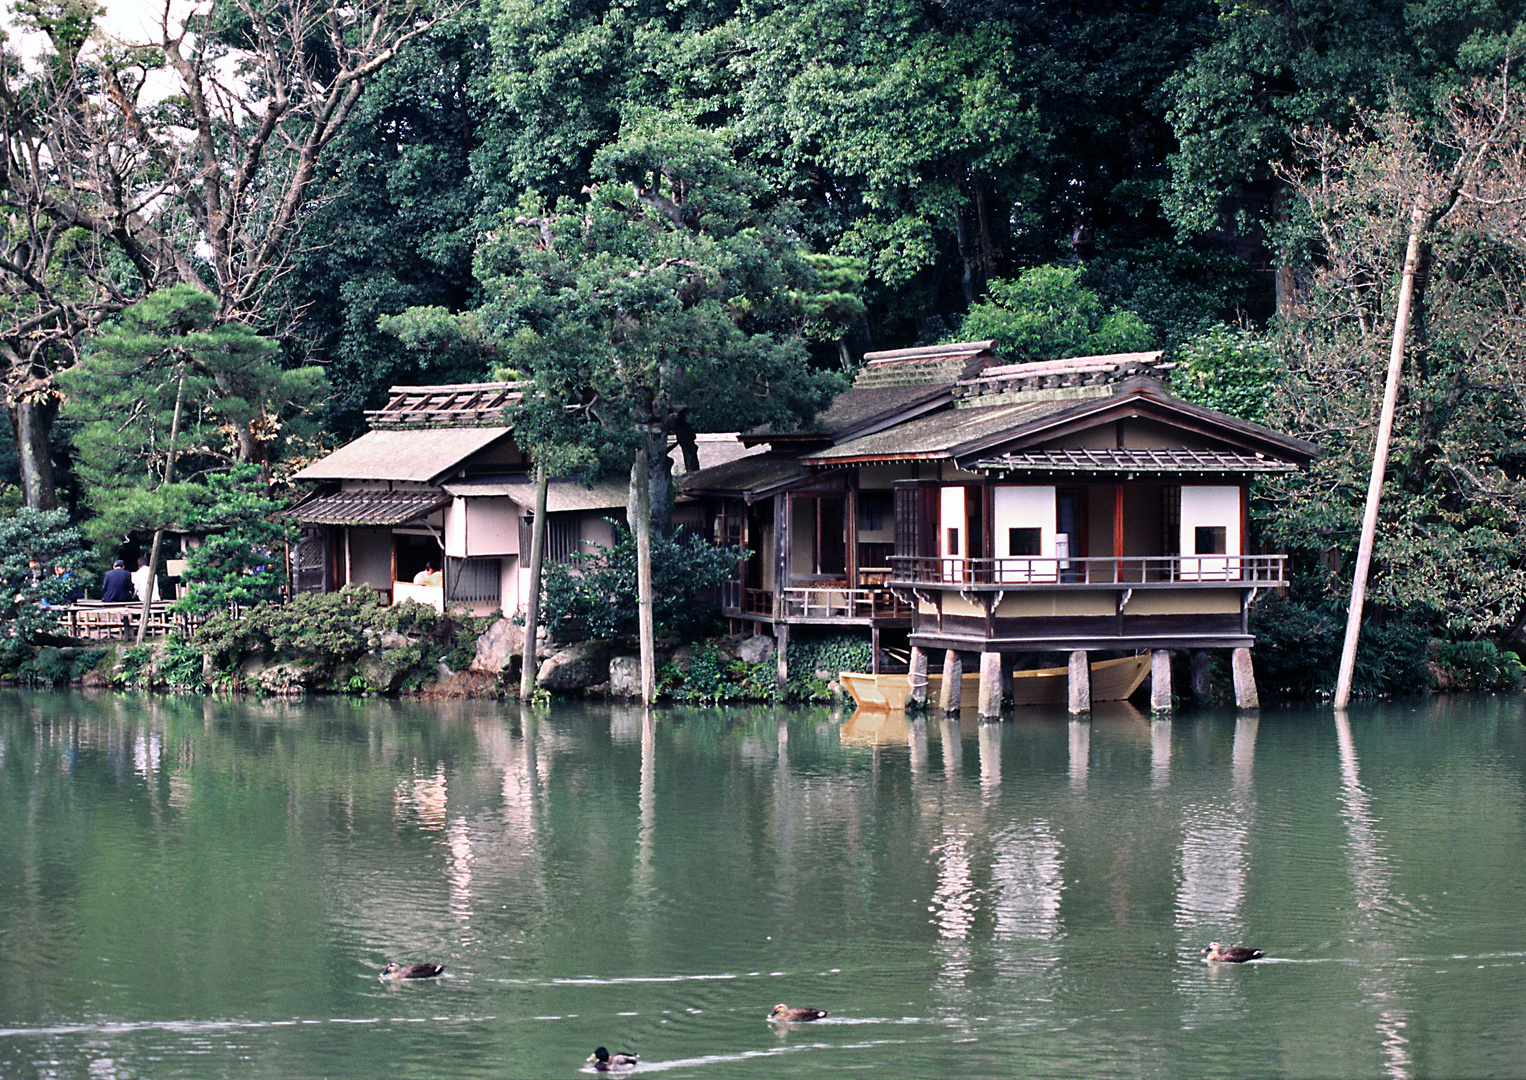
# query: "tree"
(32, 544)
(170, 354)
(657, 308)
(241, 558)
(1045, 313)
(1454, 509)
(185, 159)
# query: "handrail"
(1253, 571)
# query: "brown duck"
(604, 1061)
(394, 970)
(783, 1014)
(1232, 954)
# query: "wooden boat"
(1112, 680)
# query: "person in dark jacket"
(116, 587)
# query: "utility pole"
(532, 606)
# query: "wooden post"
(1245, 680)
(1417, 225)
(532, 605)
(645, 627)
(916, 679)
(1160, 681)
(1080, 683)
(990, 686)
(953, 682)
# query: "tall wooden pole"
(532, 605)
(1417, 225)
(645, 624)
(169, 478)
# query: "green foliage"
(1228, 368)
(595, 594)
(240, 560)
(1046, 313)
(134, 668)
(815, 659)
(1298, 649)
(711, 677)
(1477, 665)
(55, 667)
(172, 347)
(332, 630)
(32, 544)
(178, 665)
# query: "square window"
(1025, 541)
(1210, 540)
(953, 541)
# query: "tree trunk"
(532, 605)
(33, 422)
(169, 478)
(641, 499)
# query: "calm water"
(199, 888)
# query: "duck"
(604, 1061)
(1232, 954)
(394, 970)
(783, 1014)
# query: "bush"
(32, 543)
(1298, 649)
(712, 677)
(596, 593)
(1477, 665)
(830, 652)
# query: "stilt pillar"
(1245, 680)
(916, 679)
(1202, 683)
(781, 652)
(990, 686)
(1160, 681)
(953, 682)
(1080, 683)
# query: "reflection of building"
(980, 507)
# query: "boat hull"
(1112, 680)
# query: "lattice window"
(564, 538)
(473, 581)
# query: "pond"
(201, 888)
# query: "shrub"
(1298, 649)
(596, 593)
(32, 543)
(830, 652)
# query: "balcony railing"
(1154, 571)
(828, 600)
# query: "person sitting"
(141, 578)
(116, 586)
(429, 576)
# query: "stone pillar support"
(953, 683)
(990, 686)
(1080, 683)
(1160, 681)
(1245, 680)
(916, 679)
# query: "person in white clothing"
(140, 578)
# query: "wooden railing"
(839, 601)
(119, 622)
(737, 599)
(1155, 571)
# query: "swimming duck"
(604, 1061)
(394, 970)
(786, 1015)
(1232, 954)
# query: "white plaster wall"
(1024, 507)
(455, 528)
(951, 517)
(1210, 505)
(492, 527)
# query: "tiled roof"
(1131, 461)
(1015, 382)
(456, 405)
(934, 436)
(367, 507)
(925, 365)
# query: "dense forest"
(227, 240)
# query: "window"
(1210, 540)
(953, 541)
(564, 538)
(1025, 541)
(872, 510)
(472, 581)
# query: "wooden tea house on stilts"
(1009, 511)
